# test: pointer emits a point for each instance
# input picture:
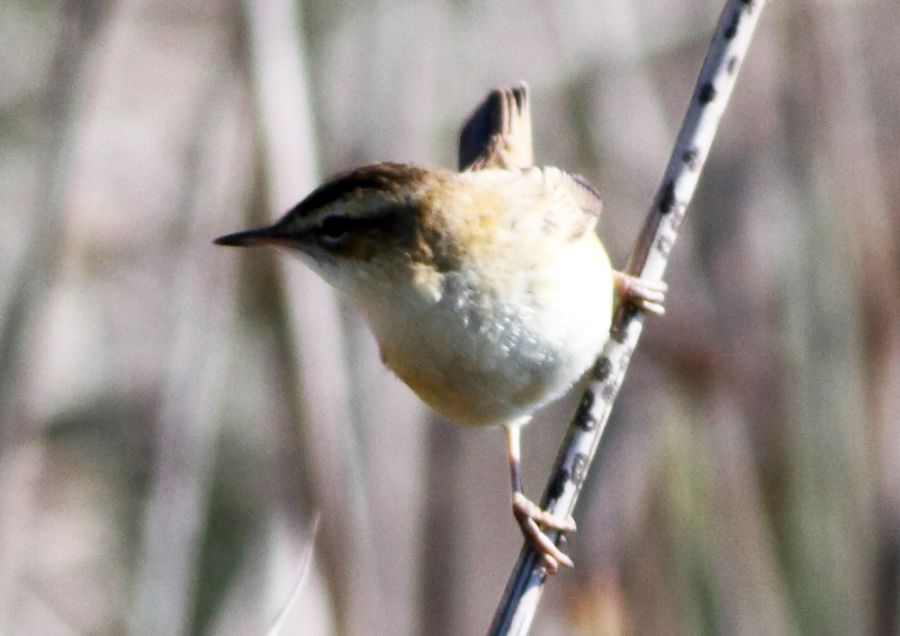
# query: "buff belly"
(485, 359)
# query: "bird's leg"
(532, 518)
(649, 295)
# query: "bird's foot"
(649, 295)
(534, 520)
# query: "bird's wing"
(498, 133)
(585, 194)
(575, 207)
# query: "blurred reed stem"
(326, 422)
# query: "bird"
(487, 288)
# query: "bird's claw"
(533, 520)
(649, 295)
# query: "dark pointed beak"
(248, 238)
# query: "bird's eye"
(333, 229)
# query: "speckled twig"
(648, 260)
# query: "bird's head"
(361, 225)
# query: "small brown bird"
(487, 290)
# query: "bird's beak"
(249, 238)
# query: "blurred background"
(174, 415)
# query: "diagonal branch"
(648, 260)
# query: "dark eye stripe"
(336, 226)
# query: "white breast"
(483, 354)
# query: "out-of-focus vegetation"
(173, 413)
